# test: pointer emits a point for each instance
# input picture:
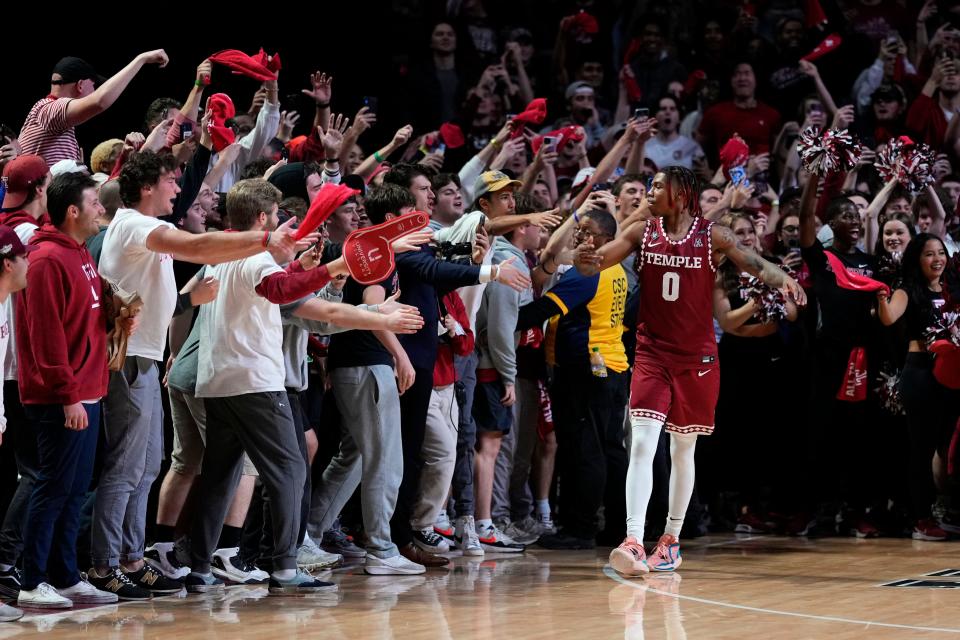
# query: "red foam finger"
(368, 252)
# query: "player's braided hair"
(683, 184)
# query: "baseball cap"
(10, 244)
(72, 69)
(21, 175)
(492, 181)
(888, 92)
(582, 176)
(578, 87)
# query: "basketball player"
(676, 376)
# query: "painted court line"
(610, 573)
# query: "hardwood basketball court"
(728, 587)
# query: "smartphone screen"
(186, 130)
(370, 102)
(641, 113)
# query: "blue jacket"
(423, 281)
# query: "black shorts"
(488, 412)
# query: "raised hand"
(134, 140)
(284, 246)
(481, 244)
(10, 150)
(157, 57)
(412, 241)
(204, 71)
(288, 120)
(402, 136)
(321, 88)
(332, 138)
(363, 120)
(158, 137)
(546, 219)
(843, 117)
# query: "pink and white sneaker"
(629, 559)
(666, 555)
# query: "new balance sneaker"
(10, 583)
(524, 531)
(9, 614)
(443, 527)
(666, 555)
(393, 566)
(43, 597)
(928, 530)
(117, 582)
(336, 540)
(299, 585)
(431, 541)
(227, 565)
(154, 581)
(200, 583)
(311, 557)
(163, 557)
(495, 541)
(466, 536)
(629, 559)
(85, 593)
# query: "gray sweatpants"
(463, 498)
(512, 498)
(262, 425)
(370, 450)
(133, 449)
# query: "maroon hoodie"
(15, 218)
(61, 324)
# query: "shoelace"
(46, 590)
(431, 537)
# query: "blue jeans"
(53, 516)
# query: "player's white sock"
(682, 475)
(645, 434)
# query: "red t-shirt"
(756, 126)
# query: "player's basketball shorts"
(683, 398)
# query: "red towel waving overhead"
(243, 64)
(829, 43)
(452, 135)
(368, 252)
(270, 62)
(566, 135)
(735, 153)
(328, 199)
(535, 113)
(223, 110)
(853, 281)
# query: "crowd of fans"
(450, 405)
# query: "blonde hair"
(249, 198)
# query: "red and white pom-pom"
(771, 303)
(946, 327)
(910, 163)
(833, 150)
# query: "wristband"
(576, 218)
(775, 203)
(332, 160)
(495, 143)
(184, 301)
(199, 83)
(323, 105)
(544, 268)
(377, 157)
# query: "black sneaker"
(199, 583)
(117, 582)
(565, 541)
(155, 582)
(300, 584)
(10, 583)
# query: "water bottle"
(597, 366)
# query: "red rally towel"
(223, 110)
(854, 385)
(452, 135)
(243, 64)
(829, 43)
(852, 281)
(735, 153)
(535, 113)
(569, 134)
(328, 199)
(368, 252)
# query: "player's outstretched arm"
(590, 261)
(725, 244)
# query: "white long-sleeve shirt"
(251, 145)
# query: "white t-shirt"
(241, 333)
(5, 328)
(678, 152)
(127, 263)
(25, 232)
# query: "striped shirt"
(47, 134)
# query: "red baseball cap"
(21, 175)
(10, 244)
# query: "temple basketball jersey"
(676, 278)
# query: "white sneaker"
(310, 557)
(9, 614)
(466, 536)
(162, 557)
(430, 541)
(546, 525)
(227, 565)
(496, 541)
(85, 593)
(43, 597)
(444, 527)
(394, 566)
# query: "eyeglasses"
(791, 228)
